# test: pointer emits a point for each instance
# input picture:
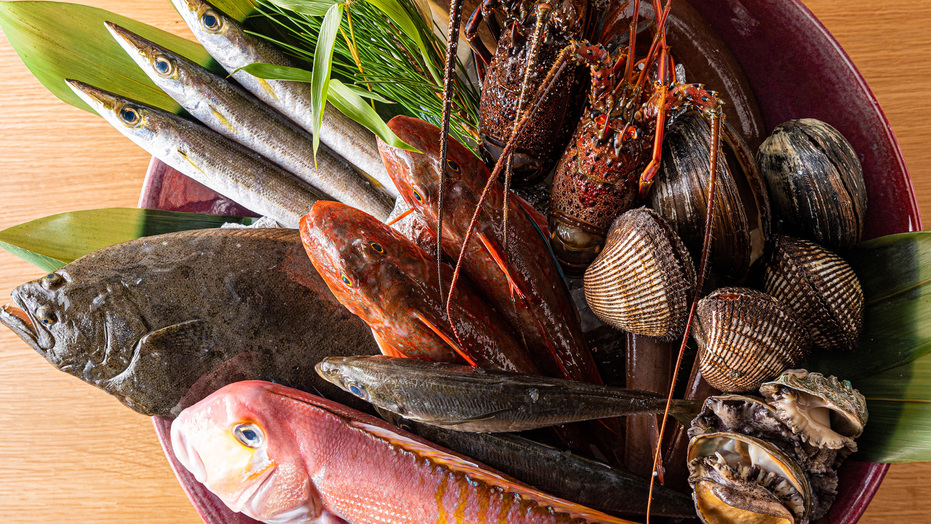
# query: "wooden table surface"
(74, 454)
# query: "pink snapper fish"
(281, 455)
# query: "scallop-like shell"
(815, 182)
(820, 288)
(739, 478)
(746, 337)
(823, 411)
(680, 195)
(642, 281)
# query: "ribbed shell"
(815, 182)
(746, 337)
(680, 195)
(820, 288)
(642, 281)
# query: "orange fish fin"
(477, 473)
(446, 338)
(400, 217)
(387, 348)
(499, 260)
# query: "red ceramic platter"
(809, 76)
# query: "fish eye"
(130, 116)
(345, 280)
(45, 316)
(210, 21)
(377, 247)
(453, 166)
(163, 65)
(357, 390)
(52, 281)
(417, 196)
(249, 435)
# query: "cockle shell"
(824, 411)
(820, 288)
(680, 195)
(746, 337)
(643, 279)
(815, 182)
(739, 478)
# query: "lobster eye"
(418, 197)
(129, 116)
(52, 281)
(453, 166)
(45, 316)
(210, 21)
(377, 247)
(163, 66)
(345, 280)
(249, 435)
(357, 390)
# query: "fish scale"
(376, 473)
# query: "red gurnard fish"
(525, 282)
(391, 283)
(281, 455)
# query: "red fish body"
(531, 292)
(391, 283)
(277, 453)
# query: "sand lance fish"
(162, 321)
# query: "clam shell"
(680, 195)
(823, 411)
(820, 288)
(737, 477)
(815, 182)
(746, 337)
(642, 281)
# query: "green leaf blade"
(55, 240)
(348, 102)
(323, 66)
(306, 7)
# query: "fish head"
(358, 376)
(211, 26)
(416, 173)
(136, 120)
(76, 324)
(165, 67)
(367, 265)
(240, 444)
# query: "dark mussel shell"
(815, 182)
(680, 195)
(643, 279)
(746, 337)
(820, 288)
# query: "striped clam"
(742, 216)
(815, 182)
(820, 287)
(810, 419)
(746, 337)
(643, 279)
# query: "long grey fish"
(217, 162)
(229, 44)
(477, 400)
(558, 472)
(234, 113)
(163, 321)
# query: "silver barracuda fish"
(234, 113)
(479, 400)
(163, 321)
(204, 155)
(229, 44)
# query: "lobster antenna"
(452, 46)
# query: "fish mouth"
(20, 321)
(129, 41)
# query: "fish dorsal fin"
(480, 473)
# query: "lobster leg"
(482, 54)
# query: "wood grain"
(74, 454)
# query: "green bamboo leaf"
(895, 273)
(59, 40)
(56, 240)
(352, 105)
(238, 10)
(296, 74)
(402, 18)
(306, 7)
(896, 432)
(323, 65)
